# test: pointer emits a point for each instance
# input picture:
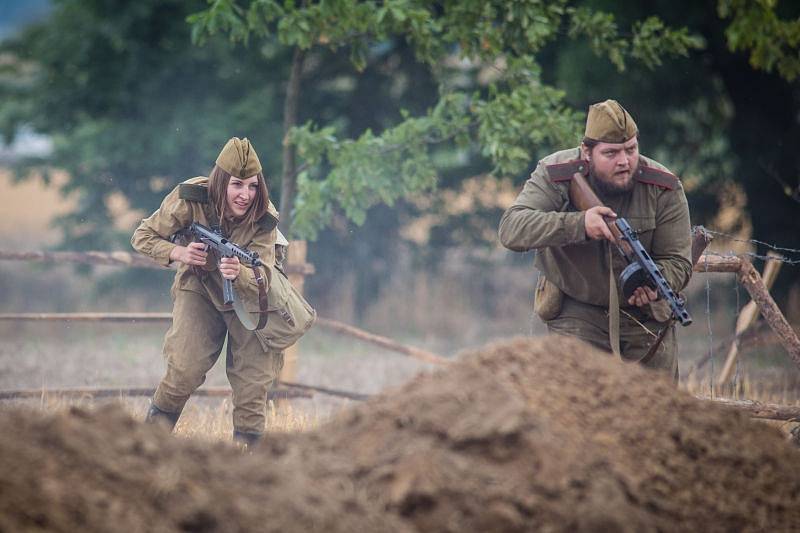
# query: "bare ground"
(527, 435)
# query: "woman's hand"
(193, 254)
(229, 267)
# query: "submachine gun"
(641, 269)
(225, 248)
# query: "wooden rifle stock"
(584, 198)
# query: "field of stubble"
(50, 356)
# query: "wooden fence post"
(295, 263)
(751, 280)
(748, 316)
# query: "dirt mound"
(549, 434)
(104, 471)
(533, 434)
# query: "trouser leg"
(251, 369)
(191, 348)
(636, 339)
(637, 333)
(583, 322)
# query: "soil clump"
(542, 434)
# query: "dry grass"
(214, 422)
(209, 419)
(759, 389)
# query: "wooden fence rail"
(707, 262)
(283, 389)
(325, 323)
(122, 259)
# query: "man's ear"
(586, 153)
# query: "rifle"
(225, 248)
(641, 269)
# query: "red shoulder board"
(564, 171)
(659, 178)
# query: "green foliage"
(521, 115)
(371, 169)
(650, 39)
(504, 120)
(773, 43)
(132, 106)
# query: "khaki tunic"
(201, 321)
(543, 219)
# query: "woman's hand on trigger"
(193, 254)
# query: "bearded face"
(613, 165)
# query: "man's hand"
(193, 254)
(595, 224)
(229, 267)
(643, 296)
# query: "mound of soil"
(550, 434)
(104, 471)
(532, 434)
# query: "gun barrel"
(655, 276)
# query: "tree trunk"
(289, 178)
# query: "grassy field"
(50, 356)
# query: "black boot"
(248, 439)
(155, 415)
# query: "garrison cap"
(609, 122)
(238, 158)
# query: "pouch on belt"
(290, 315)
(548, 299)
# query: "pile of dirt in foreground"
(104, 471)
(550, 434)
(532, 434)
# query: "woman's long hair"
(217, 194)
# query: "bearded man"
(576, 257)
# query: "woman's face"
(240, 194)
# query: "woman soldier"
(235, 199)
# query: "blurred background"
(393, 135)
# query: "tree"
(726, 115)
(131, 105)
(504, 118)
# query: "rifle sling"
(263, 303)
(613, 307)
(656, 343)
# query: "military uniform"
(575, 269)
(201, 321)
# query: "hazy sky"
(16, 13)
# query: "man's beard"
(606, 187)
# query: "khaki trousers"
(637, 333)
(192, 346)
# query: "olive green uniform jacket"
(543, 219)
(200, 320)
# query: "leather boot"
(248, 439)
(795, 436)
(155, 415)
